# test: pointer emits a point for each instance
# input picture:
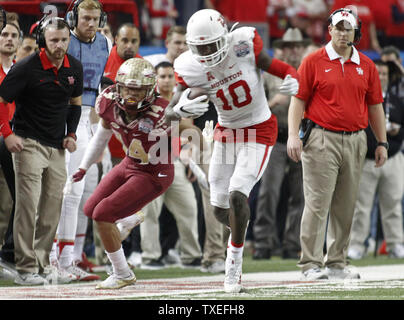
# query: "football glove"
(194, 108)
(289, 86)
(208, 131)
(79, 175)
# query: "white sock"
(78, 247)
(119, 264)
(234, 252)
(53, 255)
(66, 254)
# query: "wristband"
(72, 135)
(384, 144)
(73, 118)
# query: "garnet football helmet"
(135, 73)
(207, 37)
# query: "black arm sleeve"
(73, 118)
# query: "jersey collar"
(46, 64)
(332, 54)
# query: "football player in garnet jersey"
(134, 113)
(228, 66)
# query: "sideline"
(181, 287)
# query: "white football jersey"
(155, 59)
(235, 85)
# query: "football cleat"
(56, 275)
(113, 282)
(88, 266)
(126, 225)
(232, 278)
(82, 275)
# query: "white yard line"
(195, 286)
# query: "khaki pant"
(265, 227)
(388, 183)
(216, 233)
(332, 165)
(181, 202)
(6, 206)
(40, 177)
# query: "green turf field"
(386, 289)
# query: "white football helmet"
(207, 37)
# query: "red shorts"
(126, 189)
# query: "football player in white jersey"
(227, 65)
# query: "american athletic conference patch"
(241, 49)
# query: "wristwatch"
(384, 144)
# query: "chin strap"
(233, 26)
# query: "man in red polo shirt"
(339, 95)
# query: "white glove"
(207, 132)
(199, 174)
(289, 86)
(187, 108)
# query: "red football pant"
(126, 189)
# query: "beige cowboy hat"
(292, 35)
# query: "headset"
(40, 31)
(358, 33)
(3, 18)
(72, 16)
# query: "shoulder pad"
(105, 100)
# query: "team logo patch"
(241, 49)
(71, 80)
(360, 71)
(146, 125)
(210, 76)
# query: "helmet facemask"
(135, 75)
(129, 102)
(208, 37)
(211, 53)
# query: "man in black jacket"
(47, 89)
(387, 182)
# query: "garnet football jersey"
(145, 139)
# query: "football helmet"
(135, 73)
(207, 37)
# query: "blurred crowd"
(382, 21)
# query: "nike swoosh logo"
(182, 109)
(160, 175)
(327, 70)
(232, 66)
(136, 134)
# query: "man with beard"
(46, 88)
(127, 42)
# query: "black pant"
(7, 251)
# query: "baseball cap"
(346, 15)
